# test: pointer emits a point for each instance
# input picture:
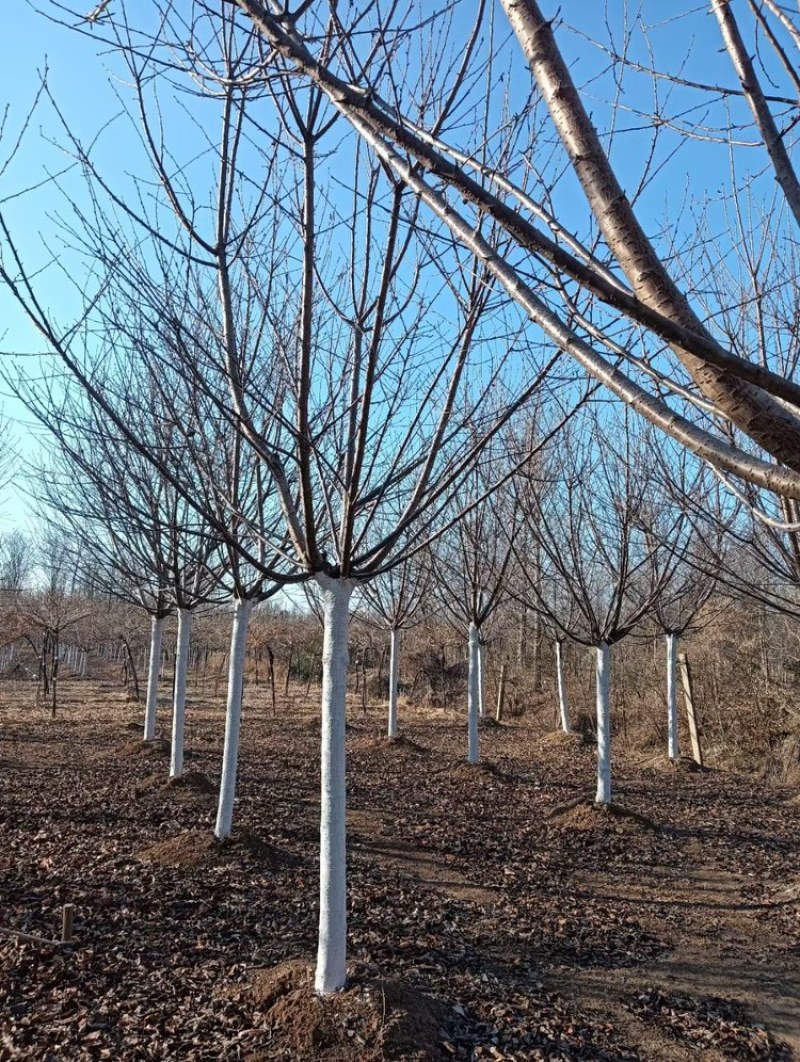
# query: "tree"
(358, 76)
(600, 573)
(359, 356)
(471, 563)
(395, 599)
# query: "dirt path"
(545, 931)
(725, 946)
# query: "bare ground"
(494, 913)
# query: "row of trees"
(354, 333)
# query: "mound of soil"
(489, 723)
(370, 1020)
(193, 780)
(587, 816)
(196, 848)
(561, 737)
(400, 743)
(157, 747)
(684, 764)
(463, 769)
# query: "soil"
(494, 912)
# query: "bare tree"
(359, 76)
(600, 574)
(471, 563)
(395, 600)
(358, 355)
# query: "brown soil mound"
(463, 769)
(684, 764)
(560, 737)
(586, 816)
(401, 743)
(157, 747)
(196, 848)
(489, 723)
(193, 780)
(134, 726)
(368, 1021)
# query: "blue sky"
(79, 72)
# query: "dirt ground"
(494, 913)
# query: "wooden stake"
(67, 913)
(501, 693)
(691, 714)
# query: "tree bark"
(672, 697)
(394, 674)
(331, 971)
(151, 705)
(501, 693)
(563, 702)
(473, 694)
(179, 696)
(233, 719)
(481, 678)
(603, 725)
(770, 423)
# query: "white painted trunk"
(394, 675)
(233, 719)
(473, 694)
(603, 725)
(563, 701)
(481, 678)
(179, 697)
(84, 657)
(151, 705)
(331, 970)
(672, 697)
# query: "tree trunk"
(501, 693)
(481, 678)
(151, 706)
(473, 694)
(233, 719)
(271, 664)
(603, 725)
(561, 683)
(54, 674)
(672, 697)
(394, 674)
(288, 673)
(331, 970)
(179, 697)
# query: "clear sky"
(80, 77)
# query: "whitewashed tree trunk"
(394, 675)
(179, 697)
(603, 725)
(481, 678)
(233, 719)
(331, 970)
(151, 705)
(84, 658)
(672, 697)
(473, 694)
(563, 702)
